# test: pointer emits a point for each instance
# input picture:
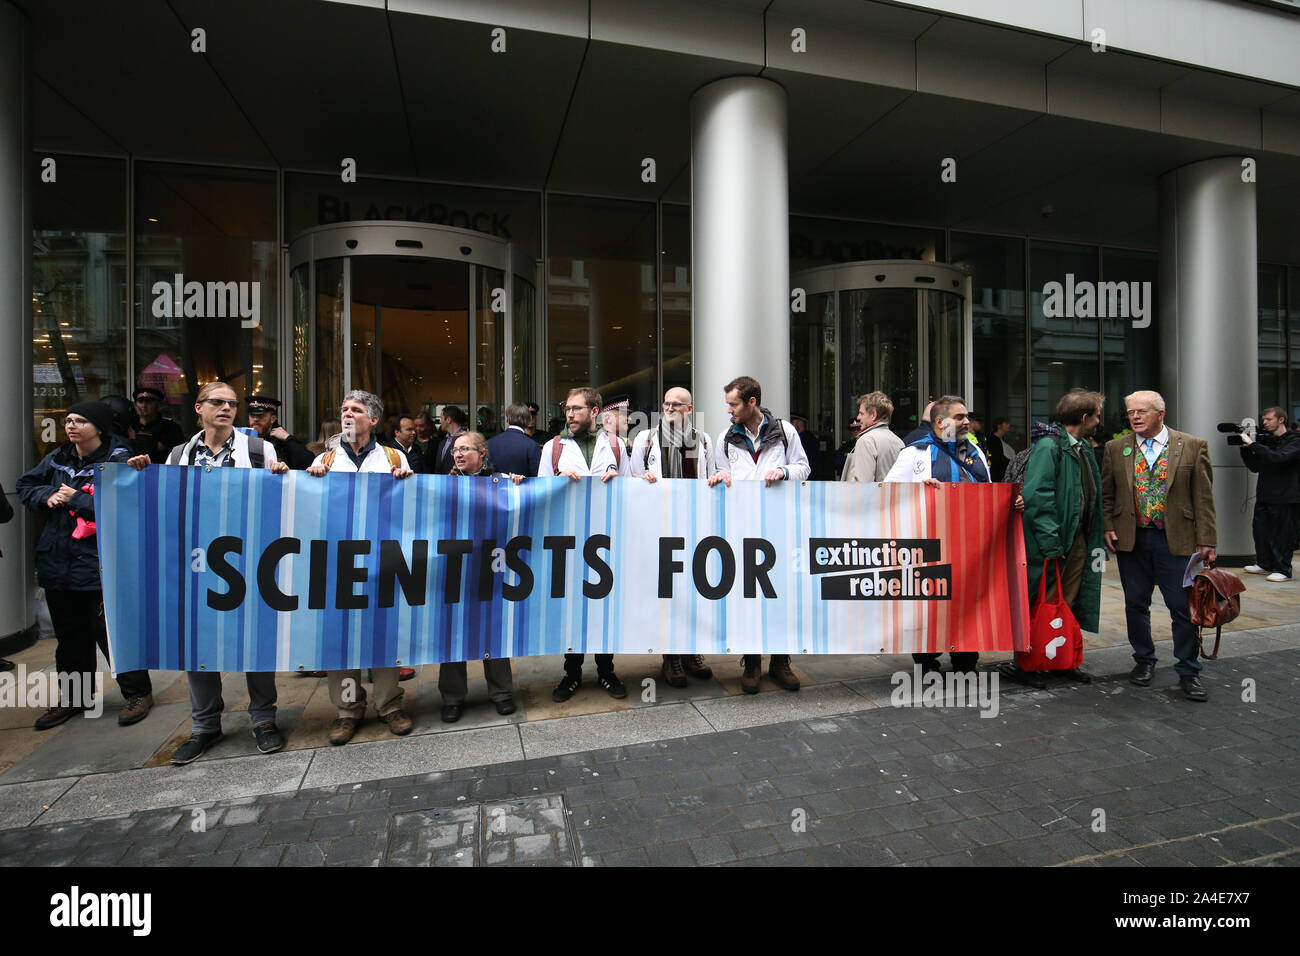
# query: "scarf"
(672, 441)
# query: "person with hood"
(67, 561)
(1062, 519)
(470, 454)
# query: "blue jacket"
(65, 563)
(515, 453)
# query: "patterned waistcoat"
(1151, 487)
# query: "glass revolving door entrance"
(420, 315)
(898, 326)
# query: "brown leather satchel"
(1214, 602)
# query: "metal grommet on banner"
(301, 667)
(100, 467)
(487, 657)
(399, 663)
(495, 480)
(570, 650)
(207, 467)
(203, 667)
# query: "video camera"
(1234, 432)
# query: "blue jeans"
(1148, 566)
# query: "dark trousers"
(1275, 529)
(573, 663)
(961, 660)
(78, 619)
(1148, 566)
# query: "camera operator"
(1275, 457)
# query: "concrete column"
(1209, 332)
(17, 621)
(740, 244)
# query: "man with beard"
(1063, 517)
(675, 450)
(758, 447)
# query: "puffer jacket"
(65, 563)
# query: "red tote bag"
(1055, 638)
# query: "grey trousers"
(453, 680)
(206, 704)
(388, 695)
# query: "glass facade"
(206, 282)
(78, 291)
(618, 304)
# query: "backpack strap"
(649, 446)
(557, 449)
(328, 459)
(394, 460)
(256, 451)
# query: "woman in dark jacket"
(67, 559)
(469, 453)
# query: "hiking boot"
(342, 730)
(613, 686)
(398, 723)
(566, 688)
(136, 710)
(268, 737)
(778, 669)
(55, 716)
(193, 748)
(753, 664)
(673, 671)
(694, 665)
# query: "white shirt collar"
(1161, 439)
(516, 428)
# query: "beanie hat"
(97, 413)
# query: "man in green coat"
(1063, 519)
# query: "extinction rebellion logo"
(880, 569)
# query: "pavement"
(1099, 774)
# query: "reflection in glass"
(1064, 348)
(880, 351)
(676, 279)
(1131, 355)
(1272, 336)
(210, 226)
(489, 342)
(812, 365)
(78, 291)
(997, 269)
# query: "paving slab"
(403, 756)
(21, 803)
(754, 710)
(98, 745)
(548, 738)
(151, 788)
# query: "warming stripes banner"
(234, 569)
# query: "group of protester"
(1150, 503)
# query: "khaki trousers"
(388, 695)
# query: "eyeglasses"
(221, 402)
(576, 408)
(673, 406)
(1140, 411)
(77, 422)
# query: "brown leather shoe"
(753, 664)
(398, 722)
(136, 710)
(342, 729)
(55, 716)
(694, 665)
(779, 670)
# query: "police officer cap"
(260, 404)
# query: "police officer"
(155, 436)
(263, 415)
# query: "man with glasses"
(219, 445)
(584, 450)
(360, 452)
(675, 449)
(155, 436)
(1157, 509)
(263, 415)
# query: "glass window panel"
(812, 368)
(997, 268)
(1132, 355)
(217, 229)
(676, 280)
(523, 361)
(489, 343)
(601, 294)
(1293, 320)
(78, 291)
(1272, 336)
(880, 351)
(823, 242)
(1064, 347)
(328, 362)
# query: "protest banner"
(237, 569)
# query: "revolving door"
(423, 316)
(901, 327)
